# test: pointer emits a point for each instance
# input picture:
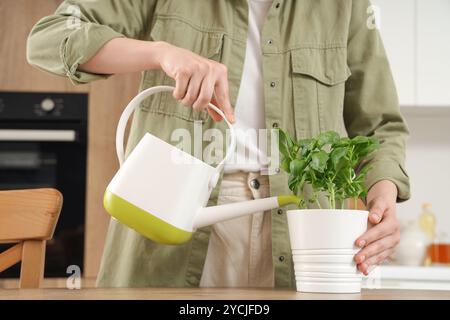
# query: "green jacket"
(324, 67)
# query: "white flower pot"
(323, 249)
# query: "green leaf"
(306, 146)
(359, 140)
(363, 149)
(285, 164)
(319, 160)
(363, 171)
(296, 166)
(344, 142)
(293, 183)
(285, 143)
(337, 154)
(304, 142)
(329, 137)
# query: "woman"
(305, 66)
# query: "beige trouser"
(240, 250)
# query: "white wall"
(397, 26)
(433, 52)
(416, 34)
(428, 163)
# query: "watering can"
(161, 191)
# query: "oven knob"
(48, 105)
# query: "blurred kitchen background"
(416, 34)
(81, 120)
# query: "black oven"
(43, 143)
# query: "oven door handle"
(37, 135)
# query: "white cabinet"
(433, 52)
(396, 23)
(416, 34)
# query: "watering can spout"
(211, 215)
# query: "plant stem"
(303, 204)
(355, 203)
(332, 199)
(318, 203)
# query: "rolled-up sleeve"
(371, 105)
(59, 43)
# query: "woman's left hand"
(383, 235)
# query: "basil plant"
(330, 164)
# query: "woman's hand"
(199, 81)
(383, 235)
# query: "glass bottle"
(427, 222)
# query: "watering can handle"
(139, 99)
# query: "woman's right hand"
(199, 81)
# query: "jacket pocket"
(184, 35)
(318, 82)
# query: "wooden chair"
(28, 218)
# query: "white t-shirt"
(249, 109)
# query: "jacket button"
(272, 84)
(277, 5)
(275, 125)
(281, 258)
(254, 184)
(280, 211)
(269, 42)
(277, 170)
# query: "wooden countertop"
(211, 293)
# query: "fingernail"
(361, 243)
(360, 259)
(376, 217)
(364, 267)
